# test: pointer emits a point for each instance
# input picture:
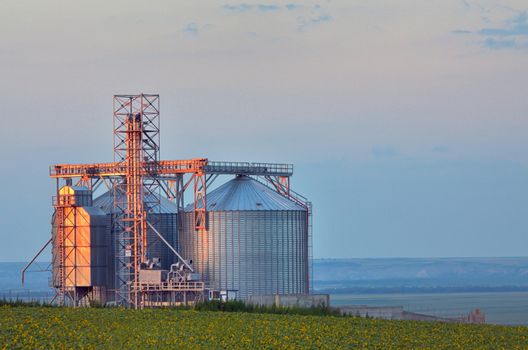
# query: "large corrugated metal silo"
(256, 240)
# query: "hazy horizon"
(41, 260)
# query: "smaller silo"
(80, 241)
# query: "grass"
(23, 303)
(240, 306)
(109, 328)
(213, 305)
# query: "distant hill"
(10, 277)
(420, 275)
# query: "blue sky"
(406, 120)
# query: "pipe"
(34, 258)
(170, 247)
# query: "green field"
(63, 328)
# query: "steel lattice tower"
(136, 148)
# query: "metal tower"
(136, 149)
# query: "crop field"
(65, 328)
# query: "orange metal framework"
(136, 140)
(137, 173)
(72, 251)
(96, 170)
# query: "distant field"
(48, 328)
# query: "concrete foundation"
(398, 313)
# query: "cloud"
(238, 8)
(307, 16)
(517, 26)
(316, 17)
(304, 23)
(384, 152)
(497, 44)
(462, 31)
(292, 7)
(512, 35)
(244, 7)
(191, 29)
(268, 8)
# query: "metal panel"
(100, 240)
(74, 195)
(254, 252)
(84, 247)
(166, 225)
(106, 203)
(164, 220)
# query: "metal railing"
(168, 286)
(120, 169)
(173, 167)
(246, 168)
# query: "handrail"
(169, 286)
(171, 167)
(120, 168)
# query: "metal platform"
(244, 168)
(172, 167)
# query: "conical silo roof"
(106, 203)
(245, 193)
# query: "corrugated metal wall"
(255, 251)
(84, 247)
(166, 225)
(164, 221)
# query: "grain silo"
(256, 241)
(163, 218)
(80, 240)
(249, 237)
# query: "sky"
(406, 120)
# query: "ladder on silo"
(60, 280)
(309, 209)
